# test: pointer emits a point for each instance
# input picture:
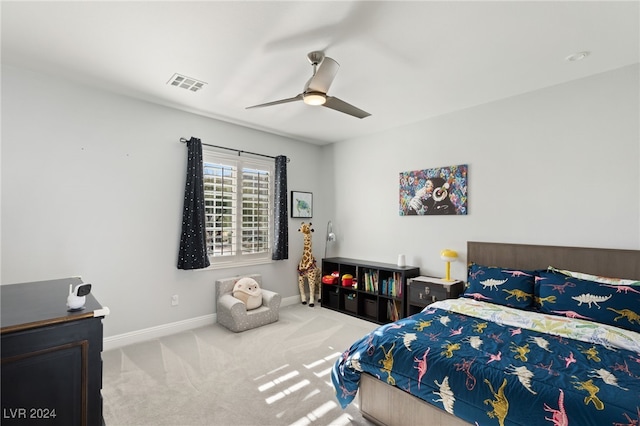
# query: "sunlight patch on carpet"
(322, 373)
(311, 394)
(291, 389)
(281, 379)
(328, 358)
(316, 414)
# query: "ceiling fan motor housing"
(315, 57)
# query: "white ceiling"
(401, 61)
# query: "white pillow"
(596, 278)
(248, 291)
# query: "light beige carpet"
(278, 374)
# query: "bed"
(526, 345)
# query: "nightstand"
(423, 291)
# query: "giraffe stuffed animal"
(307, 268)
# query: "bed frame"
(386, 405)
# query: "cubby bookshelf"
(379, 293)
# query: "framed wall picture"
(301, 204)
(438, 191)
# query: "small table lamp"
(448, 256)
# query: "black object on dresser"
(423, 291)
(51, 359)
(379, 293)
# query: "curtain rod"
(239, 151)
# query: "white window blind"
(220, 190)
(238, 209)
(255, 210)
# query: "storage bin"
(351, 302)
(334, 300)
(371, 308)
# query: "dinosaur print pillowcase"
(616, 305)
(503, 286)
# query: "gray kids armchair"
(233, 313)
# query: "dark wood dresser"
(51, 369)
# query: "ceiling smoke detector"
(185, 82)
(578, 56)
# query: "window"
(238, 209)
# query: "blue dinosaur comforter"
(493, 365)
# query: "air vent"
(185, 82)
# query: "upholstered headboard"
(614, 263)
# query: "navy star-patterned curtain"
(281, 220)
(193, 242)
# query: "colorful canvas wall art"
(438, 191)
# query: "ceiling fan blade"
(322, 79)
(281, 101)
(342, 106)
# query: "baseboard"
(291, 300)
(120, 340)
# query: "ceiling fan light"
(314, 98)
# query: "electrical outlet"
(174, 300)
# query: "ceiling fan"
(315, 91)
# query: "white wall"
(92, 185)
(558, 166)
